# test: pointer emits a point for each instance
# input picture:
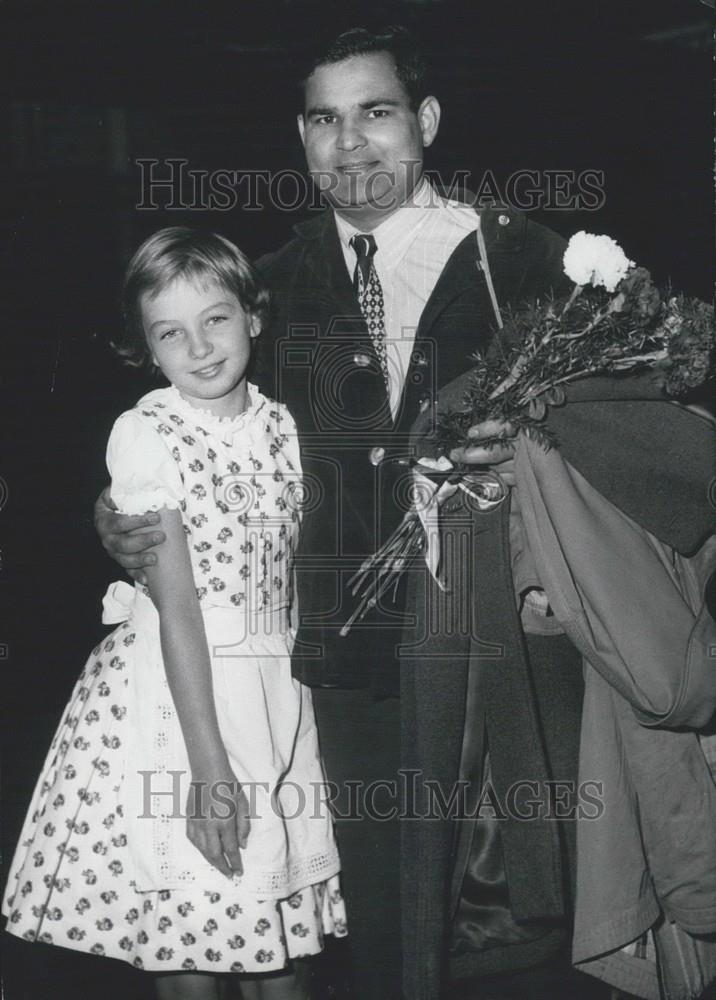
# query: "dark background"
(623, 88)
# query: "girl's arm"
(188, 669)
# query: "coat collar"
(459, 274)
(324, 259)
(323, 256)
(502, 227)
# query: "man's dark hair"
(397, 41)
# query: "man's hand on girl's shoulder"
(128, 539)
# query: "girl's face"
(200, 337)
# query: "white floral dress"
(104, 864)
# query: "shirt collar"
(395, 235)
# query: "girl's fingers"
(243, 824)
(230, 846)
(218, 842)
(243, 830)
(214, 851)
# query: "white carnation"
(598, 260)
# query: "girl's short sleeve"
(144, 474)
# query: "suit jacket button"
(362, 360)
(376, 455)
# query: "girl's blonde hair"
(181, 252)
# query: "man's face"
(364, 144)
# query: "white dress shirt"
(413, 246)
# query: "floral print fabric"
(73, 881)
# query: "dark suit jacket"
(317, 357)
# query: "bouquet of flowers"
(615, 321)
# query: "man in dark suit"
(378, 301)
(366, 122)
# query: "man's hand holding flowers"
(614, 338)
(498, 456)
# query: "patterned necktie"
(370, 296)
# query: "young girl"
(180, 822)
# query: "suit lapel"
(326, 266)
(428, 358)
(328, 291)
(460, 273)
(328, 276)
